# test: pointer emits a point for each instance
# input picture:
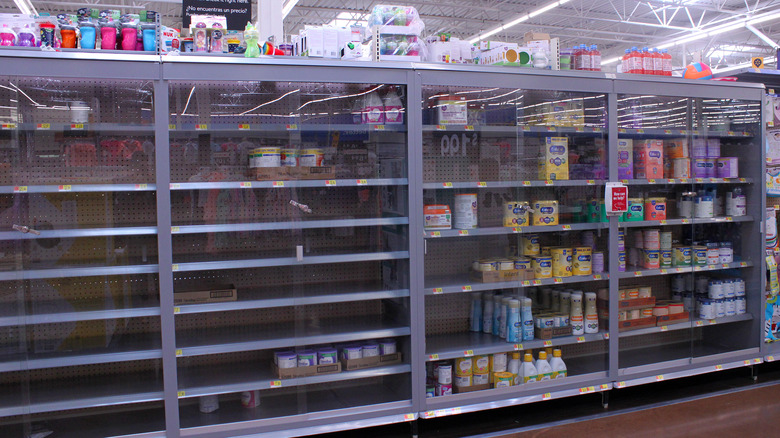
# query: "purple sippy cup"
(26, 37)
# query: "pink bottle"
(7, 36)
(108, 37)
(129, 36)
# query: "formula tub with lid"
(545, 212)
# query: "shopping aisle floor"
(724, 404)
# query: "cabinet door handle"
(26, 229)
(299, 253)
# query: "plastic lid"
(542, 355)
(634, 48)
(528, 358)
(514, 303)
(594, 47)
(47, 25)
(557, 352)
(86, 24)
(516, 355)
(628, 51)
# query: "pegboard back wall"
(303, 278)
(269, 102)
(300, 317)
(455, 256)
(84, 375)
(101, 251)
(108, 101)
(83, 210)
(269, 244)
(82, 293)
(236, 206)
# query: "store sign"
(757, 62)
(616, 196)
(237, 12)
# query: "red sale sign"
(616, 198)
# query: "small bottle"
(504, 316)
(374, 110)
(658, 62)
(591, 316)
(394, 108)
(527, 320)
(595, 58)
(667, 62)
(576, 55)
(625, 62)
(557, 365)
(513, 323)
(565, 303)
(514, 367)
(647, 61)
(543, 368)
(584, 58)
(636, 61)
(528, 371)
(497, 314)
(476, 312)
(575, 318)
(487, 312)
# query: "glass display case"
(514, 222)
(79, 300)
(290, 233)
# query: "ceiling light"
(517, 21)
(288, 7)
(741, 66)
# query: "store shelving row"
(128, 353)
(289, 261)
(442, 347)
(290, 184)
(694, 221)
(497, 231)
(687, 324)
(683, 270)
(577, 183)
(9, 320)
(260, 128)
(463, 283)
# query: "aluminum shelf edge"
(686, 373)
(38, 274)
(683, 270)
(687, 325)
(79, 232)
(289, 184)
(288, 261)
(90, 315)
(498, 231)
(77, 188)
(466, 284)
(452, 346)
(511, 184)
(75, 360)
(289, 225)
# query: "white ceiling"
(612, 24)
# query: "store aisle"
(752, 412)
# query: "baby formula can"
(465, 216)
(387, 346)
(598, 262)
(327, 356)
(700, 255)
(681, 167)
(715, 290)
(289, 157)
(652, 239)
(636, 210)
(655, 209)
(307, 358)
(713, 253)
(582, 261)
(445, 374)
(461, 381)
(666, 259)
(352, 352)
(311, 158)
(370, 349)
(621, 241)
(286, 359)
(622, 261)
(530, 244)
(728, 167)
(703, 207)
(502, 379)
(681, 256)
(685, 206)
(267, 157)
(463, 366)
(481, 364)
(522, 263)
(665, 239)
(250, 399)
(516, 214)
(443, 389)
(208, 403)
(652, 259)
(561, 262)
(542, 267)
(736, 204)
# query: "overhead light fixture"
(517, 21)
(288, 7)
(763, 37)
(716, 30)
(741, 66)
(26, 7)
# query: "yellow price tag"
(441, 412)
(713, 322)
(637, 273)
(201, 127)
(604, 387)
(526, 183)
(466, 288)
(548, 343)
(743, 264)
(429, 414)
(277, 184)
(409, 417)
(747, 362)
(580, 339)
(469, 127)
(526, 128)
(76, 126)
(718, 367)
(175, 229)
(433, 357)
(276, 383)
(243, 127)
(20, 189)
(518, 347)
(330, 183)
(743, 180)
(435, 233)
(662, 222)
(606, 335)
(651, 181)
(659, 377)
(182, 394)
(590, 182)
(671, 181)
(245, 185)
(379, 127)
(546, 396)
(667, 131)
(622, 130)
(463, 232)
(597, 277)
(664, 271)
(548, 182)
(686, 221)
(699, 323)
(640, 131)
(526, 283)
(468, 353)
(362, 182)
(579, 129)
(174, 268)
(536, 282)
(43, 126)
(557, 280)
(175, 186)
(664, 328)
(624, 181)
(482, 184)
(179, 353)
(446, 185)
(551, 129)
(621, 384)
(584, 390)
(757, 360)
(438, 290)
(9, 126)
(770, 358)
(441, 127)
(64, 188)
(176, 310)
(171, 127)
(566, 227)
(292, 127)
(699, 180)
(141, 186)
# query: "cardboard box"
(633, 324)
(676, 148)
(552, 332)
(216, 295)
(677, 318)
(314, 370)
(472, 388)
(451, 110)
(536, 36)
(554, 159)
(631, 304)
(500, 276)
(649, 159)
(625, 159)
(371, 362)
(315, 42)
(330, 43)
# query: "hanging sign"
(237, 12)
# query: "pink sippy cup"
(7, 36)
(129, 35)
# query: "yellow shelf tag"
(433, 357)
(438, 290)
(466, 288)
(174, 268)
(548, 182)
(637, 273)
(597, 277)
(179, 353)
(43, 126)
(546, 396)
(201, 127)
(171, 127)
(718, 367)
(276, 383)
(482, 184)
(580, 339)
(141, 186)
(468, 353)
(463, 232)
(20, 189)
(447, 185)
(379, 127)
(518, 347)
(469, 127)
(245, 185)
(526, 283)
(557, 280)
(362, 182)
(621, 384)
(548, 343)
(651, 181)
(76, 126)
(699, 323)
(409, 417)
(659, 378)
(664, 328)
(175, 186)
(277, 184)
(292, 127)
(566, 227)
(182, 394)
(536, 282)
(435, 233)
(175, 229)
(243, 127)
(176, 310)
(441, 127)
(590, 182)
(64, 188)
(526, 183)
(330, 183)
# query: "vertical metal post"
(614, 228)
(416, 244)
(165, 256)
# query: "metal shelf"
(289, 261)
(464, 283)
(658, 132)
(60, 395)
(451, 346)
(683, 270)
(78, 271)
(695, 221)
(289, 225)
(95, 315)
(275, 297)
(497, 231)
(250, 376)
(517, 130)
(79, 232)
(687, 325)
(266, 337)
(78, 188)
(78, 127)
(673, 181)
(281, 127)
(31, 361)
(687, 373)
(511, 184)
(290, 184)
